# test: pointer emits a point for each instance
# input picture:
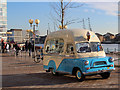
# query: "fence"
(109, 50)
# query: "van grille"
(100, 63)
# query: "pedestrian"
(7, 47)
(32, 47)
(29, 48)
(23, 48)
(3, 46)
(16, 48)
(26, 46)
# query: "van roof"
(77, 34)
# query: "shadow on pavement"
(37, 79)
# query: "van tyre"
(37, 60)
(79, 76)
(105, 75)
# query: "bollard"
(115, 50)
(107, 50)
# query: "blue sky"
(103, 16)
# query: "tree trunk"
(62, 21)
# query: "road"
(23, 72)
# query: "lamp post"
(29, 32)
(64, 27)
(31, 24)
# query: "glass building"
(3, 15)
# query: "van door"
(70, 56)
(54, 53)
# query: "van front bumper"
(97, 72)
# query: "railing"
(108, 50)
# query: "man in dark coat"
(29, 48)
(26, 46)
(16, 48)
(3, 46)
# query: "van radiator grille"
(100, 63)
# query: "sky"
(103, 16)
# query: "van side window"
(83, 47)
(55, 46)
(88, 47)
(70, 49)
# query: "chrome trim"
(59, 55)
(100, 71)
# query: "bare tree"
(60, 9)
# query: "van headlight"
(111, 59)
(86, 62)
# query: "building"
(117, 37)
(16, 35)
(108, 37)
(26, 35)
(3, 15)
(100, 36)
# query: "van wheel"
(37, 60)
(105, 75)
(53, 72)
(80, 77)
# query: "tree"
(60, 9)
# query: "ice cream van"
(77, 52)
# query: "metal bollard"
(107, 50)
(115, 50)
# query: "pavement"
(23, 72)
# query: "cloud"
(89, 10)
(109, 8)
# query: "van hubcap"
(78, 74)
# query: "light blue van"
(77, 52)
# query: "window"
(96, 46)
(55, 46)
(88, 47)
(82, 47)
(3, 22)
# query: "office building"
(3, 15)
(16, 35)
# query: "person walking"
(29, 48)
(16, 48)
(7, 47)
(3, 46)
(26, 46)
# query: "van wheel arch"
(74, 70)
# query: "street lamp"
(64, 27)
(31, 24)
(29, 31)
